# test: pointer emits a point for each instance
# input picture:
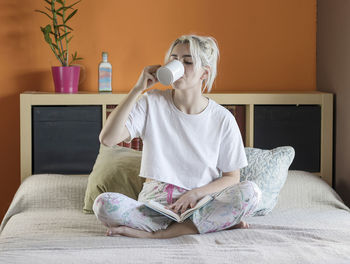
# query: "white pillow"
(269, 170)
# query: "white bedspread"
(45, 224)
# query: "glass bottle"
(105, 74)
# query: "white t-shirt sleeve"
(231, 153)
(136, 121)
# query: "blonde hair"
(204, 52)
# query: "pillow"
(269, 170)
(116, 170)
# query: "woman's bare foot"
(241, 224)
(109, 226)
(106, 225)
(129, 232)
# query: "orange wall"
(264, 45)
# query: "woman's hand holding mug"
(166, 74)
(148, 78)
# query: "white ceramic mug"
(170, 72)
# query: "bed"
(45, 222)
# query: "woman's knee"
(253, 189)
(248, 189)
(245, 193)
(251, 195)
(107, 202)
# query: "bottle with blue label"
(105, 74)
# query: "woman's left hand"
(186, 201)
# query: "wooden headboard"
(303, 120)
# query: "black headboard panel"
(290, 125)
(65, 138)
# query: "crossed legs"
(128, 217)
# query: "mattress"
(45, 224)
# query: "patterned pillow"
(269, 170)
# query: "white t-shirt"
(186, 150)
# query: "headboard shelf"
(312, 97)
(31, 99)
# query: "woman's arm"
(227, 179)
(114, 131)
(190, 198)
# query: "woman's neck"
(189, 102)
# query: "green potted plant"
(58, 35)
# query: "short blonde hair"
(203, 50)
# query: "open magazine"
(178, 217)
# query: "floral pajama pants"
(227, 209)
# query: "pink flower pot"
(66, 79)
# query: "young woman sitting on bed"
(192, 146)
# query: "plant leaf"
(48, 9)
(53, 44)
(73, 4)
(62, 25)
(47, 38)
(71, 15)
(74, 58)
(62, 37)
(43, 13)
(64, 8)
(68, 7)
(47, 29)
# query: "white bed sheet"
(45, 224)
